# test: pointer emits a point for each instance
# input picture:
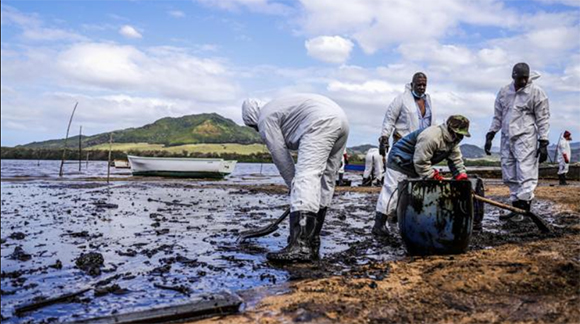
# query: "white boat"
(181, 167)
(121, 164)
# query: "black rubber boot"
(562, 178)
(301, 241)
(320, 216)
(380, 227)
(367, 182)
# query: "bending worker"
(317, 128)
(522, 113)
(374, 168)
(410, 111)
(564, 154)
(415, 155)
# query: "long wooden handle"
(540, 223)
(500, 205)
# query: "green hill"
(191, 129)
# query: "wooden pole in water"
(109, 160)
(65, 139)
(80, 148)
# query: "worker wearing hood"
(563, 156)
(522, 112)
(317, 128)
(374, 167)
(409, 111)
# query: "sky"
(129, 63)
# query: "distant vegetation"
(191, 129)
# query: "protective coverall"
(564, 154)
(402, 116)
(414, 156)
(374, 165)
(317, 128)
(523, 118)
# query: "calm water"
(174, 232)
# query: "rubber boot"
(562, 178)
(340, 179)
(320, 216)
(393, 224)
(380, 228)
(301, 241)
(367, 182)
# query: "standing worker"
(318, 129)
(410, 111)
(522, 113)
(343, 164)
(564, 154)
(374, 168)
(415, 155)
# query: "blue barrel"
(435, 217)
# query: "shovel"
(540, 223)
(265, 230)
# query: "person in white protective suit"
(410, 111)
(318, 129)
(374, 167)
(522, 112)
(563, 153)
(343, 164)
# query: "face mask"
(416, 95)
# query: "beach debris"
(17, 236)
(42, 301)
(20, 255)
(181, 288)
(90, 263)
(114, 289)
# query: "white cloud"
(176, 13)
(381, 24)
(331, 49)
(261, 6)
(130, 32)
(34, 29)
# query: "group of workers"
(317, 128)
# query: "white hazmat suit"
(563, 148)
(402, 116)
(523, 118)
(318, 129)
(374, 164)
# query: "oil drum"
(435, 217)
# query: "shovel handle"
(540, 223)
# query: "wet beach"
(148, 242)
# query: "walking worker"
(409, 111)
(522, 113)
(318, 129)
(564, 154)
(374, 168)
(414, 156)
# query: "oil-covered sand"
(148, 242)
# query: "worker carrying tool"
(409, 111)
(522, 112)
(318, 129)
(563, 156)
(414, 156)
(374, 168)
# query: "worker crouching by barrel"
(414, 156)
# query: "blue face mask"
(416, 95)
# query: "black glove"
(488, 138)
(543, 150)
(383, 145)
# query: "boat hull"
(181, 167)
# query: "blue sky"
(129, 63)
